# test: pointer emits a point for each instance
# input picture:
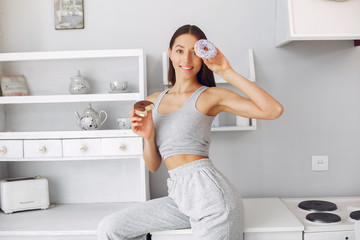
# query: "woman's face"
(184, 60)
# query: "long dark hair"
(205, 76)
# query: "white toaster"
(19, 194)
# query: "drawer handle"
(42, 149)
(122, 147)
(3, 150)
(82, 148)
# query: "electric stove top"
(326, 218)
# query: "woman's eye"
(179, 51)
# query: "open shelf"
(56, 55)
(71, 98)
(251, 77)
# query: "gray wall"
(317, 82)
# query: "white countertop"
(269, 215)
(261, 215)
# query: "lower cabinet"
(273, 235)
(89, 178)
(186, 235)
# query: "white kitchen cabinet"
(316, 20)
(187, 235)
(88, 171)
(225, 121)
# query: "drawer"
(81, 147)
(11, 149)
(122, 146)
(42, 148)
(182, 234)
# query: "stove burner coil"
(355, 215)
(317, 205)
(323, 217)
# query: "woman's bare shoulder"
(212, 92)
(153, 97)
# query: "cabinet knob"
(82, 148)
(42, 149)
(2, 150)
(122, 147)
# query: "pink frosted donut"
(205, 49)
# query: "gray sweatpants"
(200, 198)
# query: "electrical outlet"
(320, 163)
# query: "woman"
(178, 132)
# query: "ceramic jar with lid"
(79, 84)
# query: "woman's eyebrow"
(181, 46)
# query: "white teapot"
(90, 119)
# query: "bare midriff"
(178, 160)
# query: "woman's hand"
(142, 126)
(219, 64)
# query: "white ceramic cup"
(118, 85)
(123, 123)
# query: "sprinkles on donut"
(205, 49)
(142, 107)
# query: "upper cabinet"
(317, 20)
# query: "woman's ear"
(169, 53)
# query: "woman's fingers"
(135, 119)
(132, 112)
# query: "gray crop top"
(185, 131)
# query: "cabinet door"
(122, 146)
(296, 235)
(42, 148)
(171, 237)
(316, 20)
(326, 17)
(11, 149)
(81, 147)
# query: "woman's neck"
(185, 86)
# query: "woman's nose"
(188, 56)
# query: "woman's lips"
(186, 68)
